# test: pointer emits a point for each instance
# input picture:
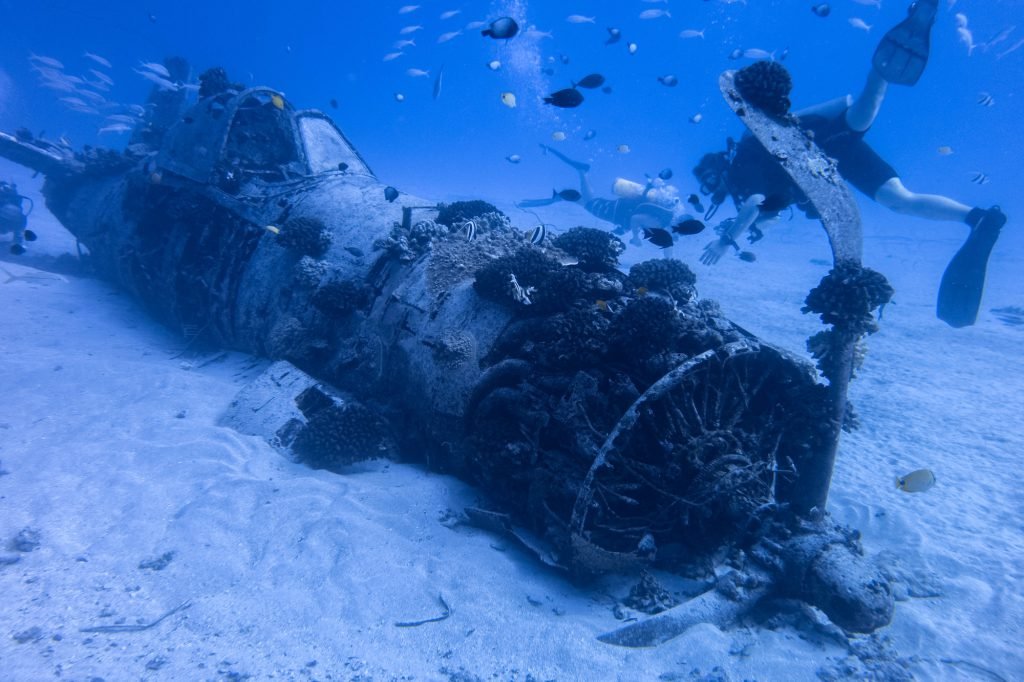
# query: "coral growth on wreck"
(597, 250)
(338, 433)
(460, 211)
(305, 237)
(766, 85)
(667, 275)
(846, 298)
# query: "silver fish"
(437, 83)
(102, 76)
(967, 38)
(34, 276)
(48, 61)
(1013, 48)
(98, 59)
(158, 69)
(857, 22)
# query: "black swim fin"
(902, 54)
(964, 279)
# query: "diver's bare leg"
(581, 168)
(864, 109)
(894, 196)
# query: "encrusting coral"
(766, 85)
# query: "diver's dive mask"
(711, 172)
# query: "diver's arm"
(828, 109)
(748, 213)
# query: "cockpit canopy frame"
(256, 132)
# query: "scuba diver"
(13, 218)
(746, 169)
(637, 208)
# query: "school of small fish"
(87, 89)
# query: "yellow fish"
(274, 229)
(945, 150)
(602, 305)
(916, 481)
(508, 99)
(558, 136)
(278, 101)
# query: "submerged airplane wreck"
(615, 421)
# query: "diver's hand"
(714, 251)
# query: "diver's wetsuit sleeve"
(754, 171)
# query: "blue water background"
(455, 146)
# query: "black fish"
(334, 104)
(548, 71)
(669, 80)
(594, 80)
(502, 29)
(564, 59)
(567, 98)
(567, 195)
(658, 236)
(589, 135)
(750, 256)
(607, 89)
(614, 35)
(665, 174)
(390, 193)
(342, 166)
(694, 201)
(689, 226)
(822, 10)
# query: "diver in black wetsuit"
(647, 207)
(13, 218)
(838, 128)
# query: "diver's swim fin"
(537, 203)
(964, 279)
(902, 54)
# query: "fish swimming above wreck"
(488, 352)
